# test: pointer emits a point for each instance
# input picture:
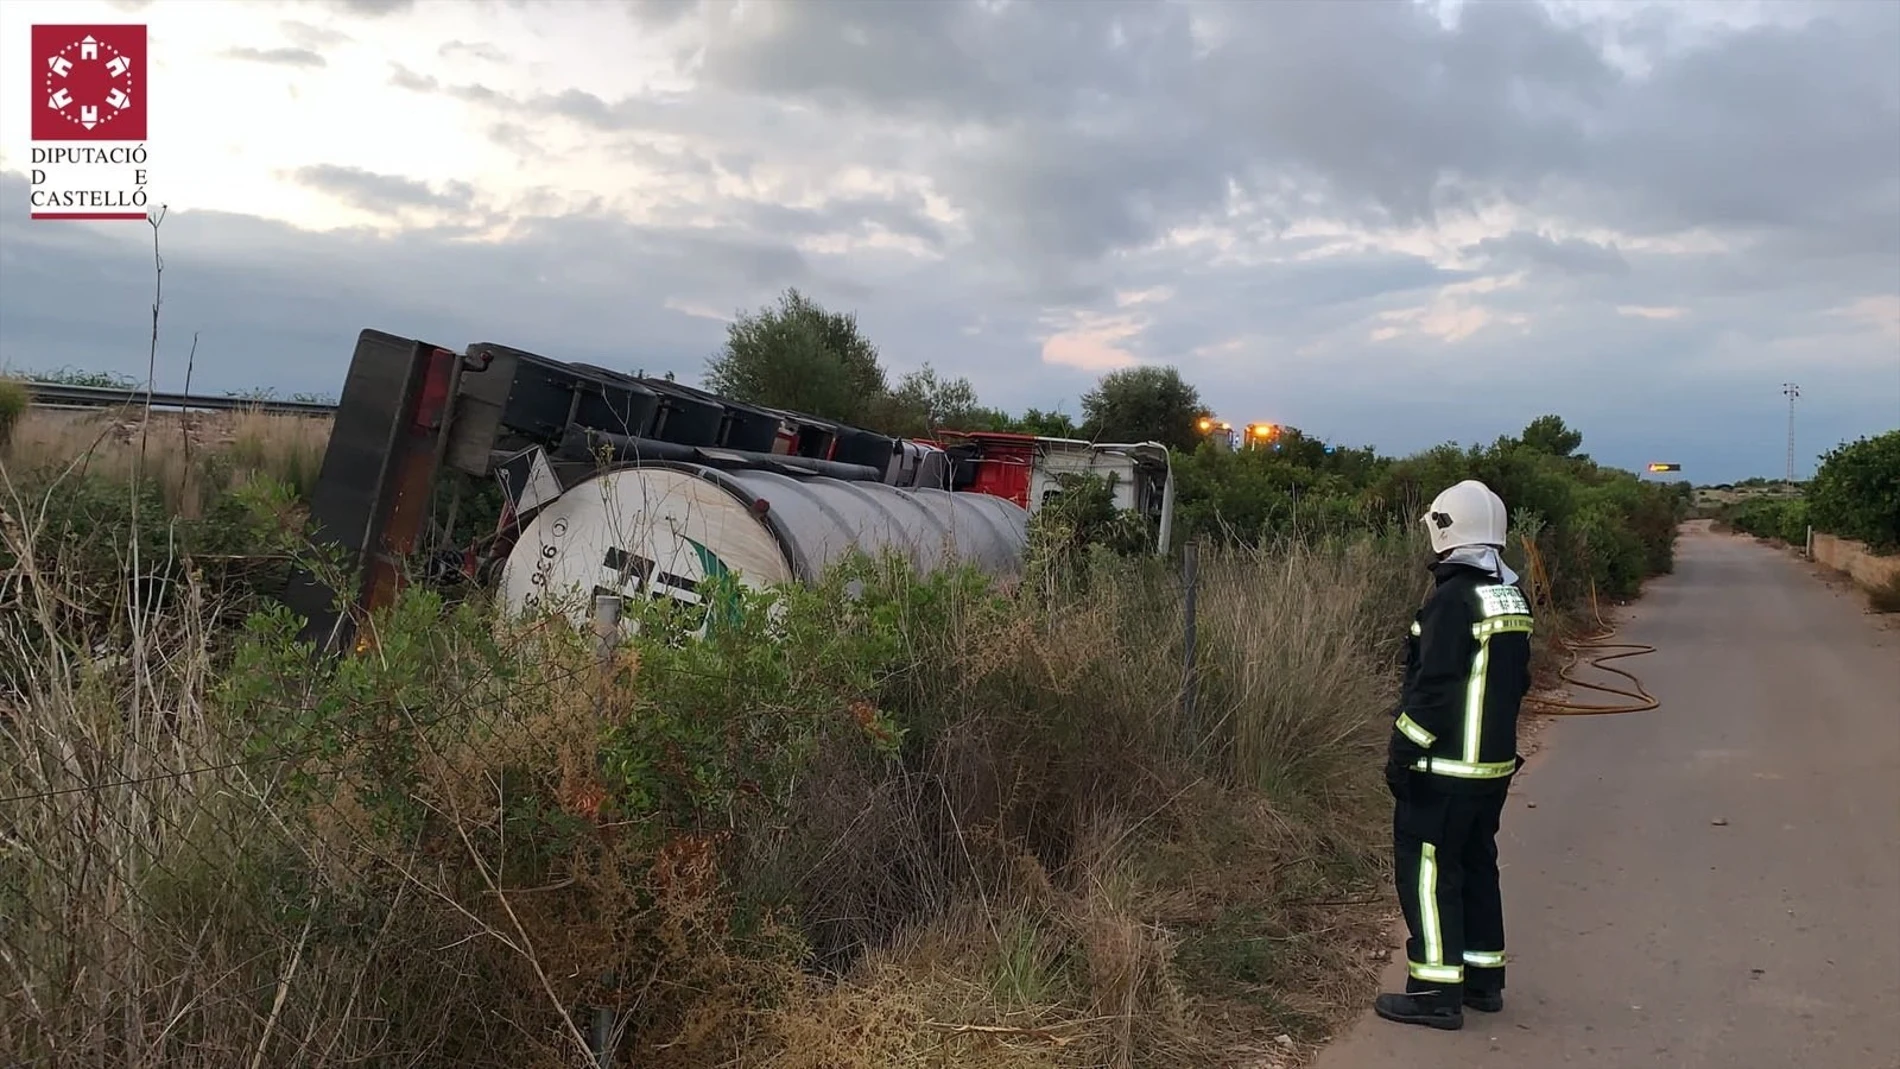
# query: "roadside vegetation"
(892, 822)
(1855, 494)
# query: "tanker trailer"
(610, 483)
(662, 529)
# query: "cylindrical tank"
(658, 530)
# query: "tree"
(801, 357)
(923, 403)
(1549, 434)
(1046, 424)
(1143, 404)
(1855, 492)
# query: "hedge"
(1856, 491)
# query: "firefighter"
(1452, 754)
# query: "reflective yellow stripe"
(1502, 625)
(1483, 630)
(1428, 905)
(1474, 700)
(1437, 974)
(1485, 959)
(1465, 769)
(1416, 630)
(1411, 729)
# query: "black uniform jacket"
(1467, 668)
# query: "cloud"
(383, 194)
(472, 50)
(281, 57)
(1454, 314)
(1879, 311)
(404, 78)
(1574, 255)
(372, 8)
(306, 36)
(1387, 222)
(1093, 343)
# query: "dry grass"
(1072, 873)
(192, 458)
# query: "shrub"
(1856, 491)
(1601, 526)
(1778, 519)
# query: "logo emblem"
(89, 83)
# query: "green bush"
(1856, 491)
(1780, 519)
(1599, 526)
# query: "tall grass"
(930, 824)
(191, 460)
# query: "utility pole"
(1792, 391)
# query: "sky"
(1388, 224)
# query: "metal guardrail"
(60, 395)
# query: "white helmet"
(1467, 514)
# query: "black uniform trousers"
(1446, 856)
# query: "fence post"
(606, 636)
(1190, 573)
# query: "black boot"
(1433, 1009)
(1484, 1001)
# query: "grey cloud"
(952, 61)
(404, 78)
(852, 215)
(384, 194)
(1569, 254)
(1771, 127)
(472, 50)
(1073, 137)
(311, 37)
(1371, 111)
(583, 287)
(659, 14)
(515, 138)
(281, 57)
(585, 108)
(373, 8)
(589, 286)
(1374, 103)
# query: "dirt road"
(1715, 883)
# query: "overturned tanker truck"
(645, 488)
